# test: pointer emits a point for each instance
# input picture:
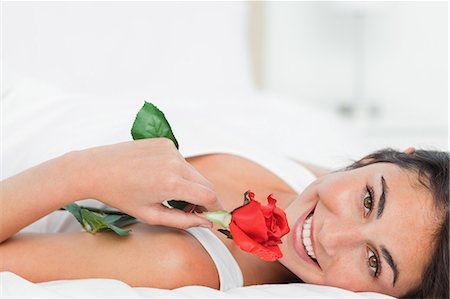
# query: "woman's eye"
(368, 202)
(373, 263)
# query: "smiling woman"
(368, 227)
(379, 225)
(430, 178)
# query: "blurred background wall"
(381, 66)
(128, 49)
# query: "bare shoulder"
(173, 258)
(151, 256)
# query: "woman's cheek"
(345, 278)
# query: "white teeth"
(307, 224)
(306, 236)
(306, 233)
(307, 242)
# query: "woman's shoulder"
(275, 171)
(150, 256)
(232, 175)
(171, 258)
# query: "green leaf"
(150, 122)
(123, 221)
(117, 230)
(246, 199)
(94, 223)
(177, 204)
(111, 218)
(74, 209)
(95, 220)
(226, 233)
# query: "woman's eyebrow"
(382, 201)
(390, 261)
(386, 254)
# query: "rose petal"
(268, 253)
(251, 220)
(271, 200)
(259, 228)
(281, 221)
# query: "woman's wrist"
(76, 182)
(38, 191)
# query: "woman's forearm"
(38, 191)
(134, 177)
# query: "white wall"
(128, 49)
(309, 54)
(190, 56)
(406, 50)
(385, 64)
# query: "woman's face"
(369, 228)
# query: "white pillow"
(41, 122)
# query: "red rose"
(258, 229)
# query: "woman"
(380, 225)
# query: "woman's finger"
(192, 174)
(191, 208)
(161, 215)
(197, 194)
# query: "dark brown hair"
(432, 168)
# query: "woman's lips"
(298, 241)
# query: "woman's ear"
(410, 150)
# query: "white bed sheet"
(15, 286)
(40, 122)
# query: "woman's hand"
(136, 177)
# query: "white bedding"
(15, 286)
(51, 122)
(40, 122)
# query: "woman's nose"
(334, 236)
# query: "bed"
(58, 96)
(48, 122)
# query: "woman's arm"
(151, 256)
(134, 177)
(36, 192)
